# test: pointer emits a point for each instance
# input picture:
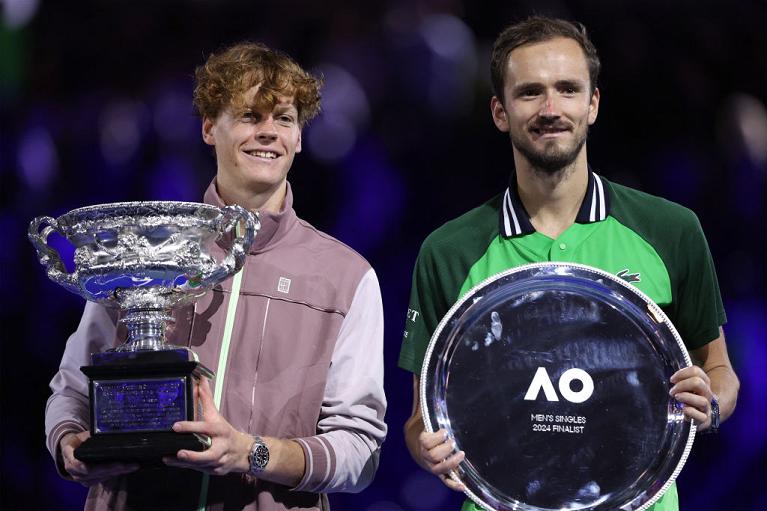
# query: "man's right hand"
(89, 475)
(434, 452)
(439, 457)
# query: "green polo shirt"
(656, 245)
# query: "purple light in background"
(681, 173)
(743, 135)
(17, 13)
(330, 137)
(173, 179)
(346, 111)
(424, 492)
(119, 130)
(343, 94)
(174, 120)
(374, 195)
(453, 65)
(60, 493)
(743, 127)
(448, 36)
(12, 235)
(37, 158)
(384, 505)
(746, 325)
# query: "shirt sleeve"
(699, 311)
(67, 410)
(428, 304)
(343, 456)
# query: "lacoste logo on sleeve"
(628, 277)
(283, 285)
(412, 315)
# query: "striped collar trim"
(515, 221)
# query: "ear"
(594, 107)
(298, 144)
(207, 131)
(499, 114)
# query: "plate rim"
(659, 316)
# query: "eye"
(249, 116)
(286, 118)
(569, 89)
(529, 92)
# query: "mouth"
(264, 155)
(548, 131)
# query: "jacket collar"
(273, 225)
(514, 220)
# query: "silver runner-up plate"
(554, 380)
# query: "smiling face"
(254, 150)
(547, 105)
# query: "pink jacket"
(305, 362)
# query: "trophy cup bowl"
(144, 258)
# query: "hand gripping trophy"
(145, 258)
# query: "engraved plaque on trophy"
(554, 380)
(144, 258)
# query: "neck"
(270, 199)
(552, 199)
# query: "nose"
(266, 132)
(550, 107)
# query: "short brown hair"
(222, 81)
(536, 29)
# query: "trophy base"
(144, 448)
(135, 398)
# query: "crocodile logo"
(628, 277)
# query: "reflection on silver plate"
(554, 379)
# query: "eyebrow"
(283, 107)
(559, 84)
(572, 84)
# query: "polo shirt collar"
(514, 220)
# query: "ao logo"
(541, 380)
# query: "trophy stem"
(146, 330)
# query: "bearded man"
(556, 208)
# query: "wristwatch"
(714, 426)
(258, 456)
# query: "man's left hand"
(229, 448)
(692, 388)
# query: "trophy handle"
(230, 220)
(48, 256)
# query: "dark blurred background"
(95, 99)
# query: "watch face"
(259, 457)
(262, 456)
(554, 380)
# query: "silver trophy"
(553, 378)
(144, 258)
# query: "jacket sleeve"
(343, 456)
(67, 409)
